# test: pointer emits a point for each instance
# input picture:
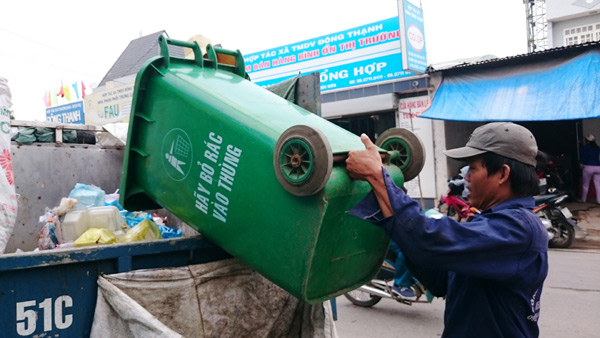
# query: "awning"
(547, 91)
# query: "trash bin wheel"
(302, 160)
(406, 150)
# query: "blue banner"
(357, 56)
(71, 113)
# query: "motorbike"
(381, 287)
(553, 173)
(453, 204)
(456, 207)
(557, 220)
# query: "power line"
(71, 55)
(39, 62)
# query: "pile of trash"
(89, 216)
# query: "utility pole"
(537, 26)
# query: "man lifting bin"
(257, 175)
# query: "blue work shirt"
(493, 267)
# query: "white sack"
(8, 197)
(218, 299)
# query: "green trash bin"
(257, 175)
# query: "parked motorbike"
(558, 220)
(381, 287)
(551, 171)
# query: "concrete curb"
(588, 219)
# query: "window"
(582, 34)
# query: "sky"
(44, 44)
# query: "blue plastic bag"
(116, 204)
(87, 196)
(168, 232)
(132, 219)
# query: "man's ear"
(504, 173)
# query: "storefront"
(554, 93)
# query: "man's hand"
(364, 164)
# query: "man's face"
(483, 189)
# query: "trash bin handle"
(164, 49)
(237, 69)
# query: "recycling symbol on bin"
(178, 154)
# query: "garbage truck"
(261, 180)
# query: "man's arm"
(366, 165)
(434, 280)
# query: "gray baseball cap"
(503, 138)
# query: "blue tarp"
(565, 90)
